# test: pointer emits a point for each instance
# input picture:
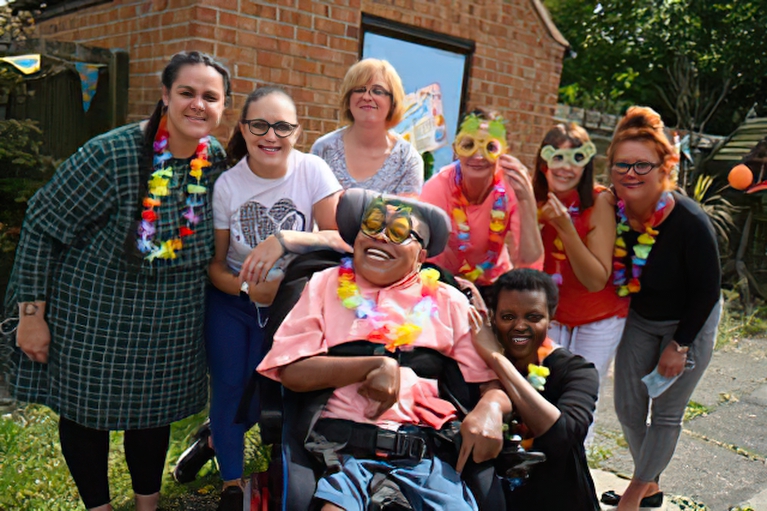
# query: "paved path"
(720, 459)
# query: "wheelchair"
(288, 419)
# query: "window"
(434, 69)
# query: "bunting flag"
(89, 80)
(27, 64)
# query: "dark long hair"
(237, 148)
(557, 136)
(169, 76)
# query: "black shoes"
(231, 499)
(611, 499)
(193, 459)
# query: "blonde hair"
(360, 74)
(644, 124)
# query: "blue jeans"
(429, 485)
(234, 341)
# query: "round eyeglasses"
(375, 90)
(260, 127)
(640, 167)
(396, 227)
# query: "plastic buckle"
(393, 444)
(386, 443)
(412, 447)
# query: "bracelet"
(28, 308)
(281, 240)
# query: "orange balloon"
(740, 177)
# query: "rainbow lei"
(158, 187)
(537, 375)
(384, 329)
(497, 225)
(558, 254)
(645, 242)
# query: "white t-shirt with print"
(252, 208)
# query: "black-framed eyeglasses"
(640, 167)
(375, 90)
(260, 127)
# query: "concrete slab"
(605, 481)
(737, 370)
(757, 397)
(703, 471)
(757, 502)
(741, 424)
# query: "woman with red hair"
(667, 261)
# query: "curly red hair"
(644, 124)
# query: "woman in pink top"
(489, 198)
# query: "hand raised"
(554, 212)
(517, 177)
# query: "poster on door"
(423, 123)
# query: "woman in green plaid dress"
(109, 283)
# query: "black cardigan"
(682, 278)
(563, 481)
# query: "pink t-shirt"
(439, 191)
(319, 322)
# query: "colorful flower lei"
(558, 253)
(385, 330)
(537, 375)
(158, 187)
(497, 225)
(623, 285)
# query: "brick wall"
(307, 46)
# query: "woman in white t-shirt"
(272, 188)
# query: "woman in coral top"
(578, 232)
(489, 197)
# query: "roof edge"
(545, 16)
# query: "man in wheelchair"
(378, 365)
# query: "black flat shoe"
(192, 460)
(612, 499)
(231, 499)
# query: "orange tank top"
(577, 306)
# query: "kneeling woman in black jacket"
(553, 392)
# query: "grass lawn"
(34, 476)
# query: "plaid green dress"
(126, 350)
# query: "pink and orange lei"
(496, 238)
(384, 329)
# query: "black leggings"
(86, 451)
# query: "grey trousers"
(652, 445)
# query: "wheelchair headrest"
(355, 201)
